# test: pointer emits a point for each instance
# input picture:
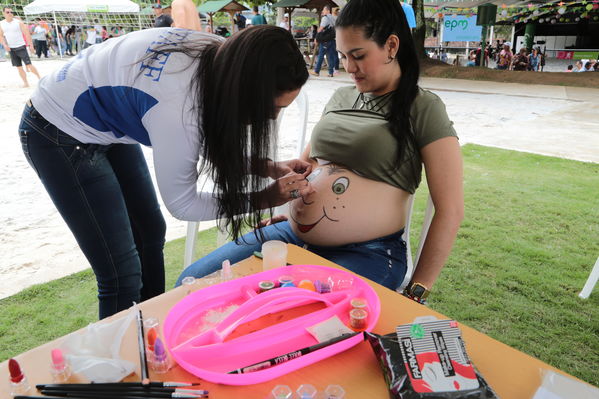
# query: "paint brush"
(291, 355)
(91, 396)
(145, 380)
(162, 386)
(101, 389)
(115, 394)
(95, 385)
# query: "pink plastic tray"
(196, 329)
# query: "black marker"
(291, 355)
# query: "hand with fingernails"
(289, 187)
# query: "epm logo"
(452, 24)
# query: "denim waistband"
(391, 237)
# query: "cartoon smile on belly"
(310, 210)
(304, 228)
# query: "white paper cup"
(274, 254)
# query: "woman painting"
(185, 94)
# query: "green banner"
(585, 55)
(97, 8)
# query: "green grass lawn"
(524, 251)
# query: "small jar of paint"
(284, 279)
(307, 285)
(266, 285)
(358, 319)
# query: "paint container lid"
(358, 314)
(358, 303)
(266, 285)
(57, 359)
(285, 279)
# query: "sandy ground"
(36, 245)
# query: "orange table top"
(511, 373)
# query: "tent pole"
(57, 35)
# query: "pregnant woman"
(367, 153)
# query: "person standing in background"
(327, 47)
(240, 20)
(40, 41)
(13, 34)
(162, 20)
(258, 19)
(334, 14)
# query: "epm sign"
(459, 28)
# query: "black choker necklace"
(375, 104)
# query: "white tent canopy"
(110, 6)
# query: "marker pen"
(59, 368)
(18, 381)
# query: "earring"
(391, 58)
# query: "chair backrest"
(412, 261)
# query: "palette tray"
(232, 325)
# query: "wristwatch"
(417, 292)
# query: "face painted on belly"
(327, 205)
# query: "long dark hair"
(379, 19)
(239, 82)
(233, 93)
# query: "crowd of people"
(584, 66)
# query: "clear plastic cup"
(274, 254)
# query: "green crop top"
(361, 140)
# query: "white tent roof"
(113, 6)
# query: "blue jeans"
(330, 49)
(106, 197)
(382, 260)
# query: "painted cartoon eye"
(314, 174)
(340, 185)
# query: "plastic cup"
(274, 254)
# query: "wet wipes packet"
(428, 360)
(435, 357)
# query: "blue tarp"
(409, 11)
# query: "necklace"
(375, 104)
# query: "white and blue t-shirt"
(112, 93)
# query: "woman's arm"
(443, 163)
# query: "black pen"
(291, 355)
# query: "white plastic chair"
(591, 281)
(412, 261)
(192, 227)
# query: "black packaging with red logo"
(428, 360)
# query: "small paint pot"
(288, 284)
(285, 279)
(322, 287)
(358, 319)
(307, 285)
(266, 285)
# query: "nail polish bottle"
(18, 382)
(60, 369)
